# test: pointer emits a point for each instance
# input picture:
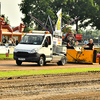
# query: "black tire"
(59, 63)
(45, 63)
(62, 62)
(94, 56)
(41, 61)
(18, 62)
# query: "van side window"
(49, 40)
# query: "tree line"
(88, 10)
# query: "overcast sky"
(11, 9)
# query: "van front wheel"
(41, 61)
(18, 62)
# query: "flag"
(58, 24)
(50, 23)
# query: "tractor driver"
(70, 43)
(90, 44)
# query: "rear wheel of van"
(41, 61)
(62, 62)
(18, 62)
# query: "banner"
(4, 49)
(58, 24)
(57, 38)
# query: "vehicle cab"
(32, 46)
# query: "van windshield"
(32, 39)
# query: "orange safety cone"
(7, 54)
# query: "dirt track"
(11, 65)
(79, 86)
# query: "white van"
(38, 47)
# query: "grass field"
(3, 56)
(43, 72)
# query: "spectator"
(76, 43)
(10, 41)
(4, 40)
(14, 41)
(6, 44)
(86, 41)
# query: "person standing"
(10, 41)
(14, 41)
(85, 42)
(4, 40)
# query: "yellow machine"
(80, 56)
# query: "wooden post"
(11, 36)
(20, 37)
(99, 60)
(0, 32)
(20, 28)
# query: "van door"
(47, 48)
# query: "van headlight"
(33, 51)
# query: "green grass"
(3, 56)
(43, 72)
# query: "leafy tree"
(40, 9)
(86, 9)
(65, 30)
(96, 15)
(27, 29)
(83, 8)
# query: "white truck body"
(38, 47)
